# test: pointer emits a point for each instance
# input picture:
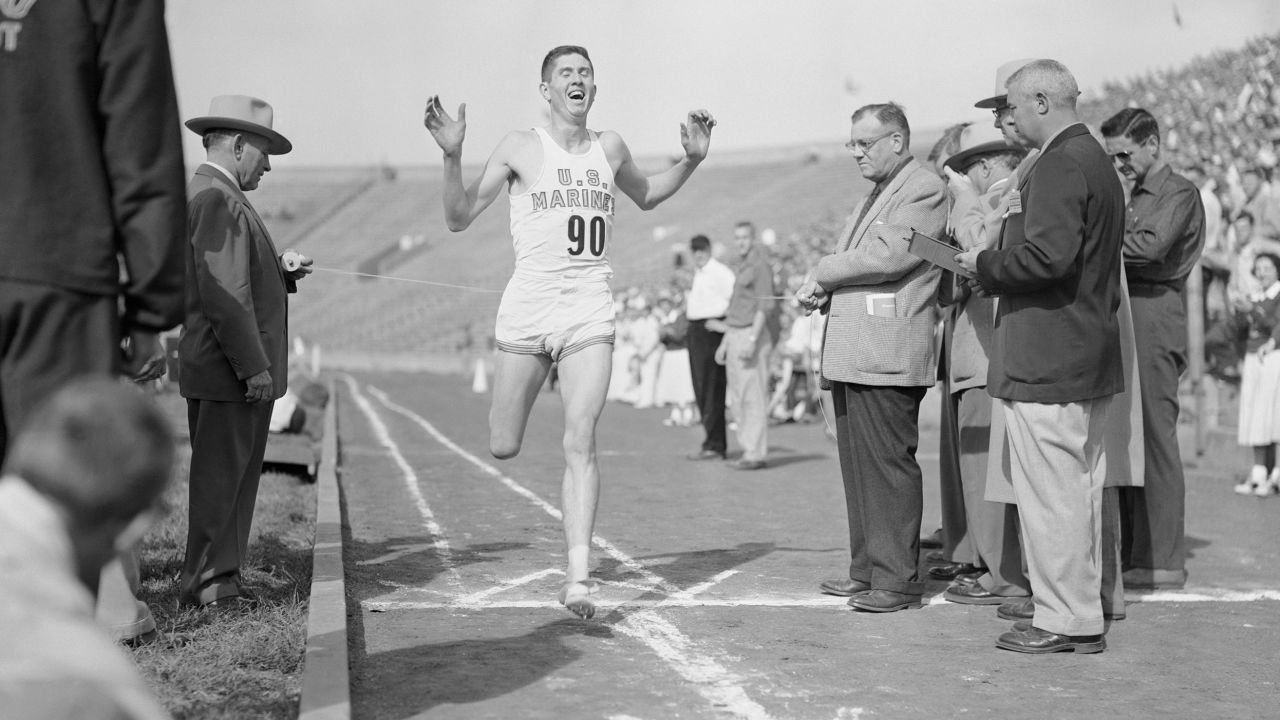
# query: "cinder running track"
(709, 607)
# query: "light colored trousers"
(748, 390)
(1058, 466)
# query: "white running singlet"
(558, 300)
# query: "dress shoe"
(884, 601)
(137, 641)
(932, 540)
(1148, 579)
(972, 594)
(843, 587)
(745, 464)
(705, 455)
(1023, 608)
(1036, 641)
(950, 571)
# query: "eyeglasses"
(864, 146)
(1002, 110)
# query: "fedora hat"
(977, 139)
(241, 112)
(1003, 73)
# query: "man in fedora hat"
(92, 185)
(233, 352)
(977, 178)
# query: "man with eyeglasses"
(1163, 238)
(878, 356)
(1056, 358)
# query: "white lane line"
(689, 601)
(709, 677)
(702, 587)
(478, 598)
(438, 540)
(397, 552)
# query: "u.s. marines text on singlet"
(564, 220)
(558, 300)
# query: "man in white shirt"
(706, 304)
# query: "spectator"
(707, 302)
(675, 384)
(92, 220)
(1259, 425)
(753, 327)
(81, 485)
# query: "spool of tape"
(291, 260)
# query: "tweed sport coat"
(237, 305)
(883, 298)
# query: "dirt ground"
(709, 607)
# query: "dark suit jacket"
(1056, 337)
(237, 306)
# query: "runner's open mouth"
(577, 94)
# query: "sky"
(349, 81)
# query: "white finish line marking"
(438, 541)
(708, 676)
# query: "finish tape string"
(404, 279)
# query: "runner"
(557, 307)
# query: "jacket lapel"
(869, 219)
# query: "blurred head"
(1243, 225)
(879, 139)
(102, 453)
(744, 236)
(1132, 139)
(241, 152)
(700, 249)
(568, 80)
(1251, 182)
(946, 146)
(1266, 268)
(1042, 100)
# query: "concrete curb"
(326, 685)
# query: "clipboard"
(936, 252)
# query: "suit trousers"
(957, 545)
(1058, 465)
(992, 526)
(749, 389)
(1153, 517)
(877, 433)
(49, 336)
(709, 383)
(228, 441)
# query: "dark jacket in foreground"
(90, 154)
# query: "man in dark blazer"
(233, 351)
(1055, 361)
(878, 355)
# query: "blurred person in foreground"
(91, 224)
(752, 326)
(705, 305)
(82, 484)
(562, 181)
(878, 355)
(1056, 359)
(234, 348)
(1163, 238)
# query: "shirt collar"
(1054, 136)
(1154, 179)
(893, 174)
(234, 182)
(1271, 292)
